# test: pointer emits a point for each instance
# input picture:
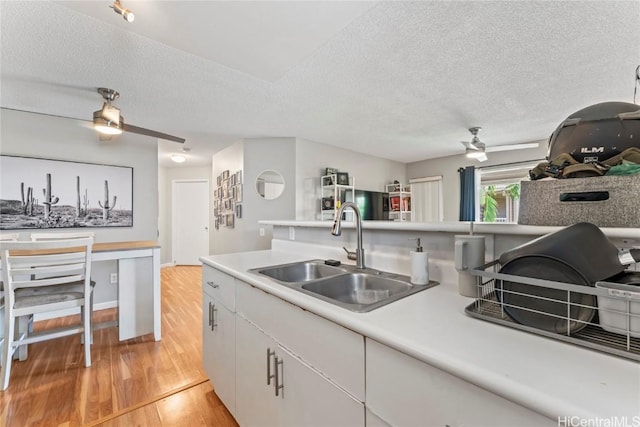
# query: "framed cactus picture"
(43, 193)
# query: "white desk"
(139, 309)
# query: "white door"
(190, 221)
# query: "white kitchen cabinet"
(276, 388)
(336, 352)
(219, 334)
(405, 391)
(256, 403)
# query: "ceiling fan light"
(105, 126)
(478, 154)
(474, 154)
(178, 158)
(108, 120)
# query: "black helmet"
(598, 132)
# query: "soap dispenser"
(419, 265)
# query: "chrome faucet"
(336, 230)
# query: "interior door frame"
(174, 228)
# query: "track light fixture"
(108, 120)
(120, 10)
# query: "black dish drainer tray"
(489, 307)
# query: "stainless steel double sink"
(358, 290)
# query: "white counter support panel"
(139, 307)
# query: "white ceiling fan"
(476, 149)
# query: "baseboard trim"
(71, 311)
(168, 264)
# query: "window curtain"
(426, 200)
(467, 193)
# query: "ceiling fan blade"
(152, 133)
(468, 145)
(494, 148)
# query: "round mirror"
(270, 184)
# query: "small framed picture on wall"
(342, 178)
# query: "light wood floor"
(139, 382)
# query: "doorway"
(190, 221)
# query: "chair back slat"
(54, 246)
(22, 261)
(36, 237)
(52, 281)
(49, 269)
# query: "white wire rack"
(605, 317)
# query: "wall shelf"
(399, 202)
(332, 195)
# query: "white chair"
(45, 276)
(4, 237)
(37, 237)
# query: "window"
(498, 192)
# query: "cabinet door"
(218, 349)
(256, 403)
(406, 391)
(305, 398)
(331, 349)
(311, 400)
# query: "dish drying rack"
(615, 303)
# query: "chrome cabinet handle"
(279, 385)
(210, 315)
(213, 317)
(269, 354)
(213, 285)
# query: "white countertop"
(461, 227)
(551, 377)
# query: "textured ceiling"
(399, 80)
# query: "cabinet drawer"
(406, 391)
(220, 286)
(336, 352)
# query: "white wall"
(166, 175)
(370, 173)
(231, 159)
(260, 154)
(36, 135)
(253, 156)
(448, 168)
